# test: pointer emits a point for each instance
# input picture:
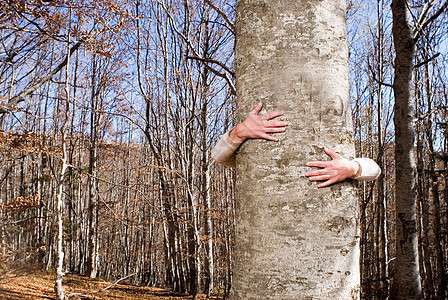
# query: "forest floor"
(28, 283)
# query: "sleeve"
(224, 151)
(369, 169)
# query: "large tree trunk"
(407, 276)
(294, 241)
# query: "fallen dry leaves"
(36, 285)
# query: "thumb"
(257, 109)
(332, 154)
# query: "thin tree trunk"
(425, 250)
(205, 189)
(91, 267)
(21, 97)
(407, 275)
(381, 201)
(59, 290)
(436, 216)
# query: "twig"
(222, 14)
(102, 290)
(424, 13)
(426, 61)
(213, 61)
(173, 25)
(21, 97)
(376, 79)
(222, 75)
(19, 221)
(418, 31)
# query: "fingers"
(272, 114)
(257, 109)
(326, 183)
(276, 124)
(332, 154)
(319, 164)
(268, 116)
(332, 171)
(316, 173)
(269, 137)
(319, 178)
(258, 126)
(276, 129)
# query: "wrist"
(355, 169)
(236, 134)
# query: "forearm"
(224, 151)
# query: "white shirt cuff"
(369, 169)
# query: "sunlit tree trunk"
(407, 276)
(293, 240)
(92, 253)
(381, 199)
(436, 216)
(422, 186)
(205, 172)
(58, 288)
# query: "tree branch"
(222, 14)
(426, 61)
(40, 28)
(213, 61)
(229, 80)
(419, 29)
(173, 25)
(99, 291)
(376, 79)
(21, 97)
(425, 11)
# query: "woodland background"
(108, 113)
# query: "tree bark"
(58, 288)
(407, 276)
(293, 240)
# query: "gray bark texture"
(406, 284)
(293, 240)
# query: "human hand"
(335, 170)
(258, 126)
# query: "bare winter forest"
(108, 112)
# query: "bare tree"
(407, 274)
